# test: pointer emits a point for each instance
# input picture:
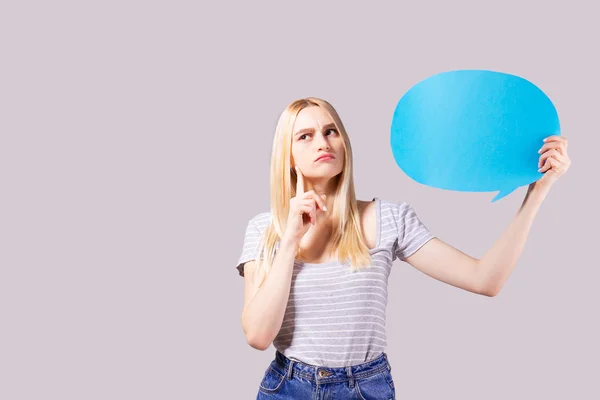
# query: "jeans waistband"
(323, 374)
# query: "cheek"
(298, 153)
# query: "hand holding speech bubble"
(472, 131)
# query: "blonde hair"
(346, 236)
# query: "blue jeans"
(290, 379)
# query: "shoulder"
(260, 220)
(397, 212)
(390, 206)
(395, 206)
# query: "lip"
(325, 157)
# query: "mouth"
(326, 157)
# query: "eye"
(328, 130)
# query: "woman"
(316, 266)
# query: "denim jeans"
(291, 379)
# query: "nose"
(323, 142)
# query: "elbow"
(257, 338)
(485, 286)
(258, 342)
(489, 294)
(490, 291)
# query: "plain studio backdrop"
(135, 147)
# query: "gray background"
(135, 146)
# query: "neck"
(327, 188)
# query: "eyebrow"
(308, 130)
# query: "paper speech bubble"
(472, 131)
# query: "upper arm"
(443, 262)
(247, 264)
(250, 283)
(420, 248)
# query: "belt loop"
(389, 367)
(350, 376)
(290, 368)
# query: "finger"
(550, 153)
(320, 201)
(314, 212)
(299, 181)
(557, 139)
(308, 207)
(306, 210)
(542, 158)
(555, 144)
(312, 196)
(554, 137)
(549, 163)
(545, 168)
(555, 164)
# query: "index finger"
(553, 137)
(299, 181)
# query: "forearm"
(262, 318)
(498, 263)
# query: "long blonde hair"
(346, 236)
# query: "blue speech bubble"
(472, 131)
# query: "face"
(314, 135)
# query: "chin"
(325, 175)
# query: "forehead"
(312, 117)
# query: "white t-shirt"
(335, 317)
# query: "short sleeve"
(412, 232)
(252, 238)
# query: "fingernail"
(324, 208)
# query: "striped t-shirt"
(335, 317)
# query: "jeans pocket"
(272, 381)
(376, 386)
(388, 377)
